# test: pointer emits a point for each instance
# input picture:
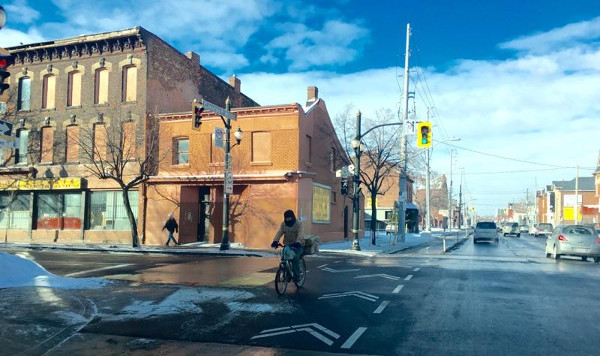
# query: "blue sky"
(510, 78)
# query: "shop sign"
(321, 211)
(41, 184)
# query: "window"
(58, 211)
(107, 211)
(128, 140)
(261, 147)
(18, 217)
(99, 142)
(49, 91)
(72, 146)
(24, 94)
(333, 197)
(101, 86)
(309, 144)
(47, 145)
(181, 151)
(129, 83)
(332, 159)
(22, 151)
(388, 214)
(74, 90)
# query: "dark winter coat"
(171, 225)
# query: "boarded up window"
(72, 149)
(129, 83)
(128, 140)
(47, 145)
(101, 93)
(99, 142)
(74, 92)
(48, 92)
(261, 147)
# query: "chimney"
(235, 83)
(194, 57)
(312, 95)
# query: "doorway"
(204, 211)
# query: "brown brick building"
(60, 89)
(286, 160)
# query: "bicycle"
(285, 272)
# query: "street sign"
(229, 183)
(218, 110)
(8, 141)
(5, 128)
(219, 134)
(410, 127)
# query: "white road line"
(417, 269)
(352, 339)
(408, 277)
(321, 266)
(273, 334)
(381, 307)
(398, 289)
(98, 269)
(276, 329)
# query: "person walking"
(293, 236)
(171, 226)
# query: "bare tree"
(110, 150)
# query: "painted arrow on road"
(339, 270)
(382, 275)
(358, 294)
(314, 329)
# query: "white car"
(485, 230)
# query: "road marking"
(339, 270)
(321, 266)
(337, 261)
(381, 307)
(398, 289)
(352, 339)
(309, 328)
(382, 275)
(417, 269)
(408, 277)
(358, 294)
(98, 269)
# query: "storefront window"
(58, 211)
(15, 214)
(107, 211)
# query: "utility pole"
(577, 195)
(403, 157)
(460, 203)
(427, 187)
(450, 212)
(356, 199)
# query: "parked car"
(533, 229)
(544, 229)
(485, 230)
(511, 229)
(391, 229)
(524, 229)
(574, 240)
(500, 226)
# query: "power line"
(520, 171)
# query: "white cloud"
(19, 11)
(10, 37)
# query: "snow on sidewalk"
(383, 244)
(21, 272)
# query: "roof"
(585, 184)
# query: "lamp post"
(2, 17)
(228, 171)
(356, 145)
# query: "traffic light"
(5, 61)
(197, 110)
(424, 134)
(344, 187)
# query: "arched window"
(74, 89)
(101, 86)
(129, 90)
(24, 94)
(49, 91)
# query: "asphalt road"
(494, 299)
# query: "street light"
(356, 145)
(2, 17)
(238, 134)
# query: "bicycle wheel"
(281, 281)
(302, 277)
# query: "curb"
(457, 244)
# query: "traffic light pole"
(356, 197)
(225, 236)
(403, 157)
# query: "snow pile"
(21, 272)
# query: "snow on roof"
(19, 271)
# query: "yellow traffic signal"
(424, 134)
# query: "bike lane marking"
(398, 289)
(417, 269)
(381, 307)
(352, 339)
(409, 277)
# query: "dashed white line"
(398, 289)
(408, 277)
(352, 339)
(321, 266)
(417, 269)
(381, 307)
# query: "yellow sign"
(321, 209)
(41, 184)
(569, 213)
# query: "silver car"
(485, 230)
(574, 240)
(511, 229)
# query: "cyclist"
(293, 236)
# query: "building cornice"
(240, 112)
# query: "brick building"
(63, 88)
(287, 159)
(556, 204)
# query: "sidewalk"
(383, 244)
